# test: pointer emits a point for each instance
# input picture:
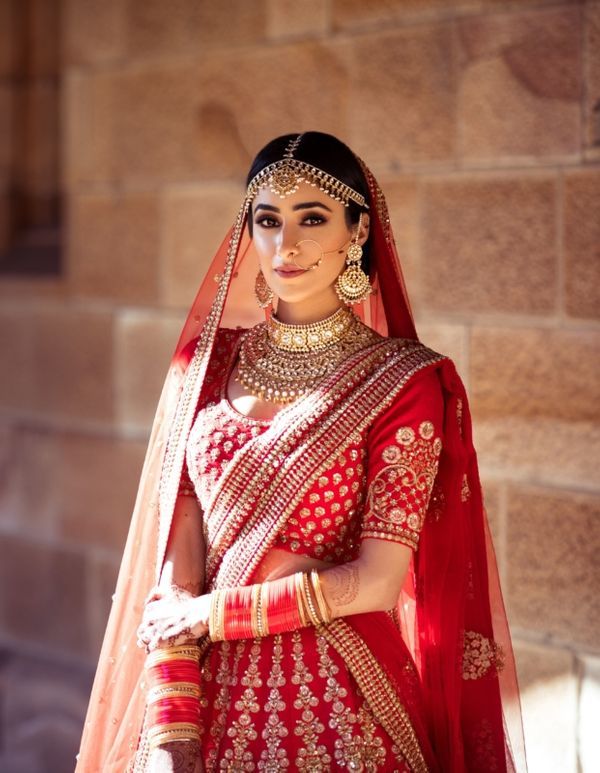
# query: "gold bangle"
(254, 608)
(262, 618)
(321, 603)
(175, 731)
(215, 628)
(309, 600)
(300, 600)
(180, 652)
(174, 690)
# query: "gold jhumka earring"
(262, 291)
(352, 285)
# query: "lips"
(288, 273)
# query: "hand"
(172, 617)
(176, 757)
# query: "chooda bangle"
(274, 606)
(173, 679)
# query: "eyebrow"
(295, 208)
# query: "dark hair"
(327, 153)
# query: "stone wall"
(481, 120)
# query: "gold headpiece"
(284, 176)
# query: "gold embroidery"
(242, 730)
(312, 755)
(351, 750)
(398, 495)
(274, 757)
(459, 414)
(377, 689)
(227, 676)
(480, 655)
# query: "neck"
(306, 313)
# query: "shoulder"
(224, 342)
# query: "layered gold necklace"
(280, 362)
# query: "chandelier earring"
(352, 285)
(262, 291)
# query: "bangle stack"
(270, 607)
(173, 676)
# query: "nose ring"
(314, 265)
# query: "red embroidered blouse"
(379, 487)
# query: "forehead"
(306, 193)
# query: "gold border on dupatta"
(188, 399)
(377, 690)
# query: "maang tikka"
(352, 285)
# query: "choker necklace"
(280, 362)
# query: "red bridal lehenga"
(380, 449)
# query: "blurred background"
(126, 129)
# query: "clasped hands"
(173, 616)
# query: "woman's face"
(284, 233)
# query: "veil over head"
(433, 603)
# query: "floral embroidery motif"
(398, 495)
(274, 757)
(459, 414)
(312, 755)
(226, 677)
(243, 731)
(480, 655)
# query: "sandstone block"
(88, 114)
(489, 244)
(553, 543)
(42, 594)
(286, 18)
(154, 123)
(589, 711)
(94, 30)
(402, 198)
(157, 28)
(520, 84)
(592, 79)
(582, 242)
(72, 356)
(448, 339)
(121, 262)
(552, 452)
(17, 385)
(233, 124)
(7, 100)
(99, 482)
(7, 38)
(549, 697)
(195, 221)
(144, 345)
(9, 470)
(45, 707)
(402, 98)
(535, 373)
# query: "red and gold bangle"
(173, 677)
(274, 606)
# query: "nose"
(287, 240)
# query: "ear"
(363, 233)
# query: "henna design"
(183, 755)
(344, 583)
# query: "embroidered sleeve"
(404, 447)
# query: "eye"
(266, 221)
(313, 219)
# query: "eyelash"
(267, 218)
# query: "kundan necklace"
(280, 362)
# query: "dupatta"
(451, 608)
